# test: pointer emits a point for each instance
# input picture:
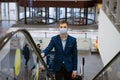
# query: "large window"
(8, 11)
(49, 15)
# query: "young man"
(26, 53)
(36, 61)
(35, 58)
(65, 61)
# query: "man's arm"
(48, 49)
(74, 73)
(75, 57)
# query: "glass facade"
(49, 15)
(8, 11)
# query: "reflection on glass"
(52, 14)
(7, 60)
(112, 71)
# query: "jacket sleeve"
(49, 47)
(75, 57)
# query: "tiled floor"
(93, 64)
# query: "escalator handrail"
(9, 35)
(107, 65)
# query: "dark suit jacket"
(26, 52)
(68, 55)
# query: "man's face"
(63, 28)
(64, 25)
(38, 46)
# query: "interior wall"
(108, 37)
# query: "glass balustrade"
(13, 59)
(111, 71)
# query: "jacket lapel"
(59, 42)
(67, 42)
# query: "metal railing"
(111, 71)
(30, 40)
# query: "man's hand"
(42, 67)
(43, 55)
(74, 74)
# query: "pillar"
(25, 16)
(118, 12)
(111, 6)
(86, 10)
(96, 14)
(65, 14)
(56, 14)
(104, 3)
(18, 11)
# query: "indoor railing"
(111, 71)
(12, 61)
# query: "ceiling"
(56, 3)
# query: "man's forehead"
(63, 24)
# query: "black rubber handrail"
(9, 35)
(109, 63)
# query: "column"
(41, 14)
(8, 11)
(111, 6)
(18, 11)
(86, 15)
(118, 12)
(72, 15)
(65, 14)
(56, 14)
(25, 16)
(104, 3)
(95, 9)
(46, 15)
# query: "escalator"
(111, 71)
(12, 62)
(11, 46)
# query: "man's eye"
(65, 27)
(61, 26)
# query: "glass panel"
(82, 12)
(112, 71)
(4, 11)
(21, 12)
(91, 15)
(70, 15)
(77, 12)
(10, 59)
(52, 14)
(48, 15)
(62, 13)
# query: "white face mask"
(63, 30)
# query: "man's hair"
(26, 44)
(38, 44)
(63, 22)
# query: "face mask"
(63, 30)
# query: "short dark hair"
(26, 44)
(63, 22)
(38, 44)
